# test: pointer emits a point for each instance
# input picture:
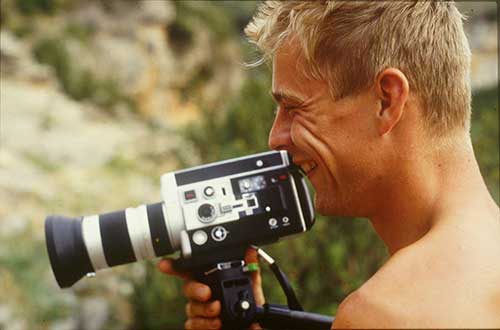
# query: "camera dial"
(206, 213)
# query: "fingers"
(198, 309)
(201, 313)
(167, 266)
(255, 326)
(251, 256)
(197, 291)
(202, 323)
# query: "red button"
(188, 195)
(283, 177)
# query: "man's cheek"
(305, 138)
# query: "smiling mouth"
(308, 167)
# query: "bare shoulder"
(449, 279)
(384, 301)
(360, 310)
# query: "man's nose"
(279, 137)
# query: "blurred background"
(99, 98)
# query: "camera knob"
(209, 191)
(206, 213)
(245, 305)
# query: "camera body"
(250, 200)
(211, 213)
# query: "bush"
(485, 137)
(78, 83)
(30, 7)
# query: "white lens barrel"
(93, 242)
(125, 236)
(139, 232)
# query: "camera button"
(219, 233)
(200, 237)
(273, 222)
(209, 191)
(226, 208)
(190, 196)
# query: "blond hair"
(347, 43)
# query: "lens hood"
(66, 248)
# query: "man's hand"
(203, 313)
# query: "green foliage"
(23, 30)
(485, 137)
(328, 263)
(24, 261)
(239, 129)
(79, 83)
(79, 32)
(222, 18)
(158, 301)
(30, 7)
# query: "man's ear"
(392, 90)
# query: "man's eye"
(285, 108)
(289, 108)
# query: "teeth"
(308, 167)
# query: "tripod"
(231, 283)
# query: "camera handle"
(231, 284)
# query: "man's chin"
(327, 207)
(324, 207)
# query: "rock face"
(60, 156)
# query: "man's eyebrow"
(280, 96)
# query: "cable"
(293, 302)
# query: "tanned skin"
(374, 157)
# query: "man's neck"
(427, 191)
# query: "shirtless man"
(374, 104)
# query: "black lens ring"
(203, 215)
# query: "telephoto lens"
(78, 246)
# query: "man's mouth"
(308, 167)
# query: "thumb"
(251, 256)
(166, 266)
